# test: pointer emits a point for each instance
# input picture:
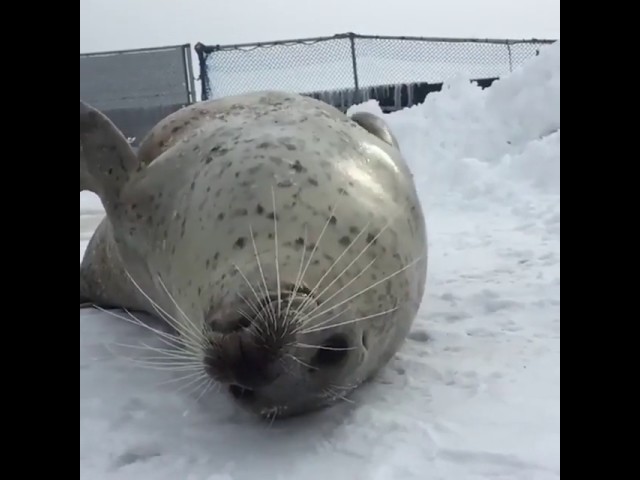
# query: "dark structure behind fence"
(137, 88)
(348, 68)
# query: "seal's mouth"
(243, 394)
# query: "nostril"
(333, 351)
(241, 393)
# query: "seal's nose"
(240, 358)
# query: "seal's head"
(298, 322)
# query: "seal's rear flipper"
(106, 158)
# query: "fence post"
(204, 77)
(188, 74)
(354, 61)
(510, 56)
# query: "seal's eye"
(332, 352)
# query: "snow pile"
(475, 391)
(465, 141)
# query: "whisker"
(202, 376)
(264, 281)
(296, 359)
(336, 394)
(331, 267)
(197, 335)
(331, 318)
(196, 374)
(255, 325)
(362, 252)
(322, 347)
(170, 366)
(298, 281)
(166, 338)
(313, 251)
(275, 241)
(307, 317)
(163, 313)
(364, 290)
(349, 322)
(176, 354)
(208, 385)
(257, 311)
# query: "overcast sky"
(123, 24)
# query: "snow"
(475, 391)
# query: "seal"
(283, 241)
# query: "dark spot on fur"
(313, 181)
(216, 256)
(342, 191)
(264, 145)
(259, 209)
(173, 250)
(354, 230)
(371, 238)
(199, 290)
(344, 241)
(272, 216)
(240, 243)
(209, 189)
(241, 212)
(111, 171)
(221, 216)
(207, 263)
(175, 129)
(254, 170)
(299, 242)
(290, 147)
(276, 160)
(193, 185)
(333, 220)
(297, 167)
(285, 183)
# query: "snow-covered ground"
(474, 393)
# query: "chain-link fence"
(353, 68)
(137, 88)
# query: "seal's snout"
(239, 358)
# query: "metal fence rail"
(351, 62)
(137, 88)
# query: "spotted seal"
(284, 241)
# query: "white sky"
(123, 24)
